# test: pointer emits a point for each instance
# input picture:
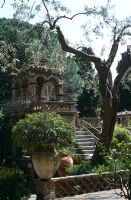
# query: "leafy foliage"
(13, 186)
(87, 71)
(30, 44)
(125, 92)
(38, 129)
(125, 85)
(5, 138)
(124, 62)
(1, 136)
(24, 11)
(88, 102)
(25, 46)
(73, 83)
(5, 86)
(89, 99)
(84, 168)
(7, 53)
(121, 133)
(119, 158)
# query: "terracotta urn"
(65, 162)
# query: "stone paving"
(103, 195)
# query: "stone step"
(85, 139)
(88, 130)
(85, 143)
(86, 157)
(85, 147)
(83, 136)
(86, 136)
(83, 133)
(81, 154)
(84, 151)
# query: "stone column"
(32, 84)
(45, 189)
(59, 92)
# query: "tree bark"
(110, 103)
(109, 121)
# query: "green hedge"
(84, 168)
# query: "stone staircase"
(86, 139)
(85, 144)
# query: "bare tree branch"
(3, 4)
(113, 51)
(114, 36)
(115, 44)
(48, 14)
(67, 48)
(53, 24)
(70, 18)
(46, 22)
(117, 82)
(32, 7)
(123, 29)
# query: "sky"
(72, 29)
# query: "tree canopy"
(125, 85)
(24, 43)
(24, 46)
(89, 100)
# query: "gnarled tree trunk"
(109, 121)
(109, 93)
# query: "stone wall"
(75, 185)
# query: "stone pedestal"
(45, 189)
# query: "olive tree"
(109, 93)
(102, 17)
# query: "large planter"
(46, 163)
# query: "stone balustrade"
(15, 105)
(56, 106)
(75, 185)
(23, 104)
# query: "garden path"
(103, 195)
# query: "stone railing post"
(45, 189)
